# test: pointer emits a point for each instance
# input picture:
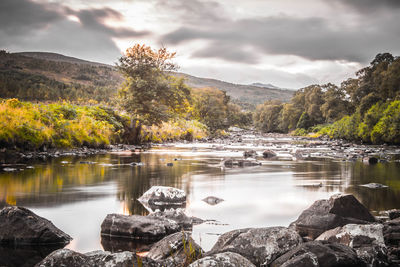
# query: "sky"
(288, 43)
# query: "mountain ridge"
(75, 70)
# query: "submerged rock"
(178, 249)
(261, 246)
(225, 259)
(163, 195)
(240, 163)
(317, 253)
(137, 227)
(20, 226)
(326, 214)
(367, 240)
(211, 200)
(374, 185)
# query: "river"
(77, 196)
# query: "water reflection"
(76, 197)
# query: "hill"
(244, 93)
(50, 76)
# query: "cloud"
(28, 25)
(369, 6)
(310, 38)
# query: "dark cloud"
(28, 25)
(368, 5)
(310, 38)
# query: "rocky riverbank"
(338, 231)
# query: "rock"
(10, 169)
(370, 160)
(249, 154)
(137, 227)
(269, 154)
(212, 200)
(20, 226)
(393, 214)
(325, 214)
(391, 233)
(163, 195)
(229, 163)
(121, 259)
(178, 249)
(70, 258)
(225, 259)
(178, 215)
(367, 240)
(248, 163)
(87, 162)
(261, 246)
(374, 185)
(169, 164)
(66, 257)
(319, 253)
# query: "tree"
(150, 94)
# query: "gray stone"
(367, 240)
(178, 249)
(325, 214)
(177, 215)
(259, 245)
(319, 253)
(163, 195)
(269, 154)
(20, 226)
(225, 259)
(138, 227)
(70, 258)
(249, 154)
(211, 200)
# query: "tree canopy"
(149, 92)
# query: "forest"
(364, 109)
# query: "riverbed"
(76, 193)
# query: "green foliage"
(149, 92)
(210, 106)
(31, 126)
(267, 116)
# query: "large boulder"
(330, 213)
(261, 246)
(225, 259)
(137, 227)
(24, 256)
(70, 258)
(319, 253)
(367, 240)
(178, 249)
(163, 197)
(20, 226)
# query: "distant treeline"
(366, 108)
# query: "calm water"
(76, 197)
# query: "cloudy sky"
(288, 43)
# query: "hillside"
(51, 76)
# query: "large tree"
(150, 94)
